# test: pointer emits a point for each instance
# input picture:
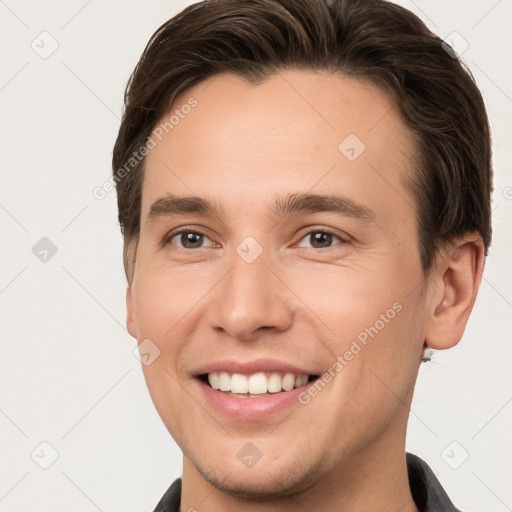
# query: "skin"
(242, 146)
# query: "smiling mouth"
(255, 385)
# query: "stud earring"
(427, 356)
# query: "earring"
(427, 356)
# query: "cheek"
(159, 311)
(352, 303)
(164, 305)
(375, 331)
(166, 309)
(164, 300)
(376, 373)
(381, 355)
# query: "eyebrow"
(170, 205)
(313, 203)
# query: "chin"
(264, 481)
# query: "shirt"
(426, 490)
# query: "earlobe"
(458, 273)
(130, 324)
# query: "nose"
(251, 300)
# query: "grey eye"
(319, 240)
(189, 239)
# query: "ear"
(454, 282)
(130, 323)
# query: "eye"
(320, 239)
(187, 239)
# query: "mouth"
(260, 389)
(255, 385)
(260, 396)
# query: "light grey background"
(68, 376)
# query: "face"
(278, 258)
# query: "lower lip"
(250, 409)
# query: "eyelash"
(167, 239)
(325, 231)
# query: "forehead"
(296, 130)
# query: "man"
(304, 194)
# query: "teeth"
(274, 383)
(214, 380)
(224, 382)
(239, 383)
(288, 382)
(257, 383)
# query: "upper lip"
(250, 367)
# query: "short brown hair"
(373, 40)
